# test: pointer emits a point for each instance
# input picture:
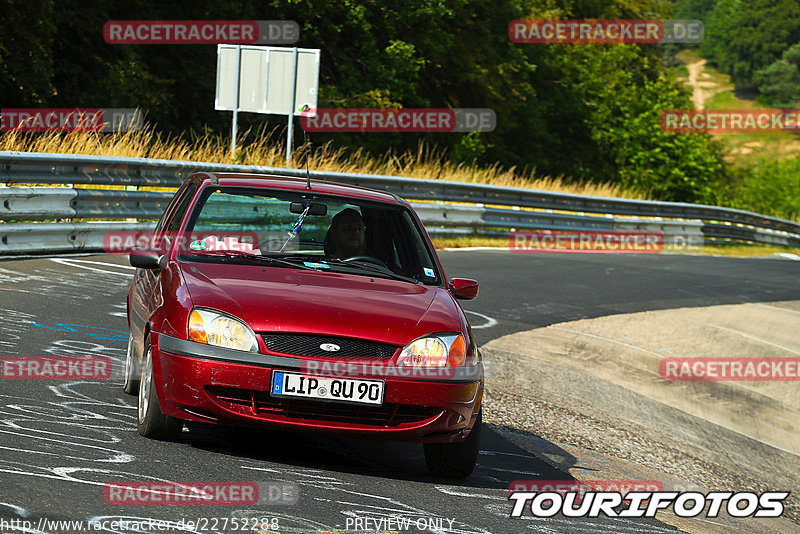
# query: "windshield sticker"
(429, 272)
(198, 245)
(314, 265)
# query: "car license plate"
(325, 388)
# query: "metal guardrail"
(481, 209)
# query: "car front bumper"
(204, 383)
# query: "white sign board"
(227, 77)
(279, 80)
(263, 77)
(253, 79)
(266, 79)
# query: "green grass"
(681, 71)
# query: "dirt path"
(698, 96)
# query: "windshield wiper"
(231, 254)
(284, 261)
(376, 269)
(299, 263)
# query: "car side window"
(173, 221)
(418, 258)
(178, 195)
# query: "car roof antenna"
(308, 149)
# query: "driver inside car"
(345, 237)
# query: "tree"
(745, 36)
(26, 60)
(642, 157)
(561, 108)
(779, 84)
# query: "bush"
(770, 187)
(682, 167)
(779, 84)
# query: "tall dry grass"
(262, 148)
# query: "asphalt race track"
(62, 442)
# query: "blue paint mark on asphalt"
(106, 333)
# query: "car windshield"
(306, 230)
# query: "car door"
(146, 294)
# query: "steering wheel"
(368, 259)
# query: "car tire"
(455, 460)
(150, 420)
(131, 383)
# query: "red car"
(307, 305)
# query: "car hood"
(275, 299)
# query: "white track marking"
(609, 340)
(489, 321)
(754, 338)
(788, 256)
(121, 266)
(777, 308)
(622, 525)
(506, 470)
(455, 491)
(76, 263)
(20, 511)
(122, 306)
(498, 453)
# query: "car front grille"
(261, 403)
(309, 345)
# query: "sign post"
(236, 107)
(289, 139)
(267, 80)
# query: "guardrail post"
(131, 188)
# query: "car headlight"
(436, 350)
(213, 328)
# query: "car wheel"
(131, 384)
(151, 422)
(455, 460)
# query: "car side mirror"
(464, 288)
(147, 260)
